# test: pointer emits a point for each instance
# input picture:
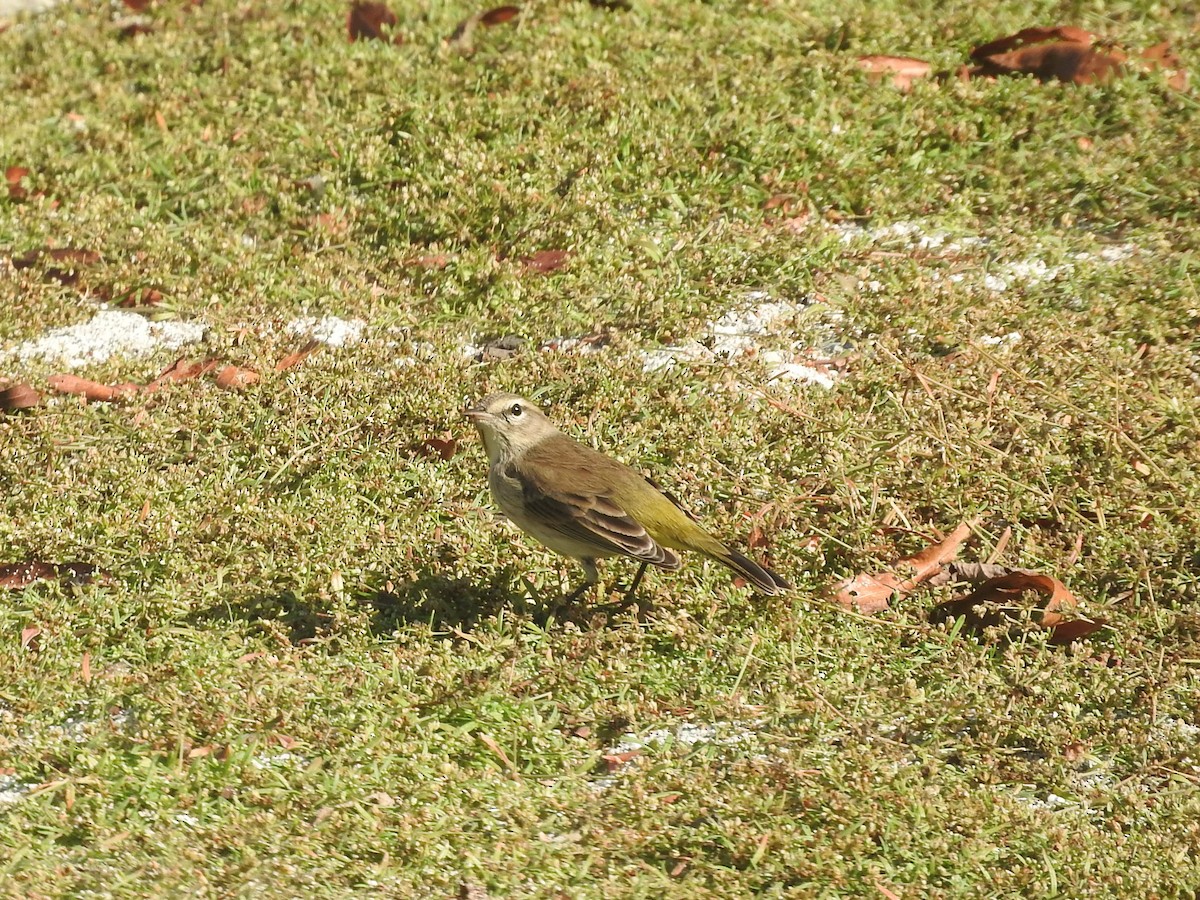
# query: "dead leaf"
(872, 593)
(469, 890)
(18, 397)
(615, 761)
(72, 259)
(463, 36)
(17, 576)
(445, 448)
(29, 637)
(545, 261)
(902, 71)
(432, 261)
(92, 390)
(1161, 56)
(1029, 36)
(972, 573)
(85, 667)
(369, 22)
(1060, 61)
(183, 369)
(997, 602)
(499, 15)
(13, 176)
(234, 378)
(294, 359)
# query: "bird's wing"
(587, 513)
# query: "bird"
(587, 506)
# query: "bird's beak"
(474, 412)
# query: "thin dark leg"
(637, 579)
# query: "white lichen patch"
(329, 330)
(109, 333)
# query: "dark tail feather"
(763, 579)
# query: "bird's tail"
(762, 578)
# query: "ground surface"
(828, 314)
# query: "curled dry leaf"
(183, 369)
(13, 176)
(997, 602)
(499, 15)
(17, 576)
(972, 573)
(901, 71)
(371, 22)
(232, 378)
(1061, 61)
(444, 448)
(1029, 36)
(1162, 56)
(92, 390)
(19, 396)
(545, 261)
(299, 356)
(29, 635)
(462, 38)
(872, 593)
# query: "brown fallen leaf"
(872, 593)
(901, 71)
(463, 36)
(92, 390)
(972, 573)
(371, 22)
(13, 176)
(490, 742)
(183, 369)
(997, 602)
(17, 576)
(1029, 36)
(18, 397)
(545, 261)
(294, 359)
(443, 448)
(1163, 56)
(499, 15)
(72, 260)
(1060, 61)
(233, 378)
(29, 636)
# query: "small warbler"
(584, 505)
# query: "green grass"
(309, 646)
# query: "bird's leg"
(637, 579)
(591, 576)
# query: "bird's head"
(509, 424)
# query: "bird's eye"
(516, 410)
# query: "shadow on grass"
(440, 602)
(283, 615)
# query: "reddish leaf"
(499, 15)
(29, 637)
(85, 667)
(1030, 36)
(19, 396)
(996, 602)
(433, 261)
(902, 71)
(368, 21)
(233, 378)
(183, 370)
(1061, 61)
(137, 5)
(16, 576)
(294, 359)
(133, 29)
(13, 175)
(1162, 56)
(546, 260)
(490, 742)
(615, 761)
(445, 448)
(872, 593)
(105, 393)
